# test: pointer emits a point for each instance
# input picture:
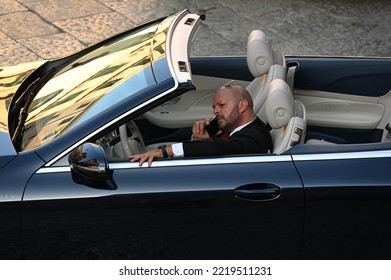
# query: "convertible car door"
(348, 204)
(244, 207)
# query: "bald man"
(241, 132)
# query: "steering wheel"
(134, 144)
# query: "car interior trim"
(178, 57)
(344, 75)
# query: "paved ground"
(47, 29)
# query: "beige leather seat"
(265, 64)
(286, 117)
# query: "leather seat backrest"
(265, 64)
(286, 117)
(261, 55)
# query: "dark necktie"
(225, 136)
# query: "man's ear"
(243, 104)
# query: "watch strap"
(163, 148)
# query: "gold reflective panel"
(10, 79)
(93, 83)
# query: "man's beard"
(231, 122)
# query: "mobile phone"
(213, 127)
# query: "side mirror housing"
(90, 162)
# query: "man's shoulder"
(256, 127)
(257, 123)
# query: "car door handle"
(258, 192)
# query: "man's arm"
(151, 155)
(199, 133)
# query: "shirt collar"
(240, 127)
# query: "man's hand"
(148, 156)
(199, 130)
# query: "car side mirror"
(89, 166)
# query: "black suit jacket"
(254, 138)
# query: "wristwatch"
(163, 148)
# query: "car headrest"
(279, 106)
(259, 53)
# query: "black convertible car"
(67, 127)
